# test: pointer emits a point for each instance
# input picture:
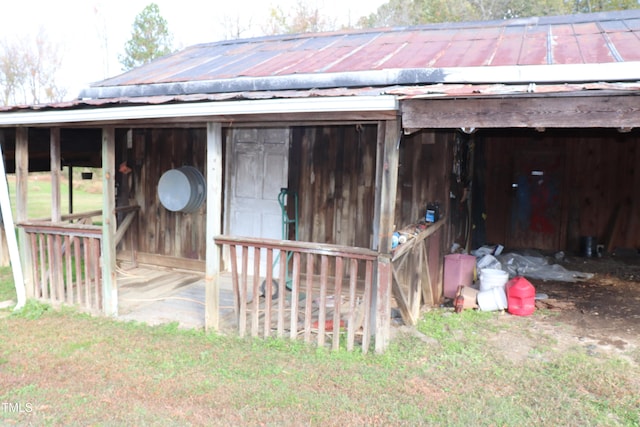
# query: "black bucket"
(588, 246)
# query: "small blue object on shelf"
(433, 212)
(395, 240)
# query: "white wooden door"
(257, 170)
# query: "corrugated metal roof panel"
(575, 39)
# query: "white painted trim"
(204, 109)
(12, 242)
(213, 228)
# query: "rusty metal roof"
(383, 57)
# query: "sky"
(92, 33)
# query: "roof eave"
(207, 110)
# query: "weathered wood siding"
(601, 183)
(333, 170)
(150, 153)
(424, 176)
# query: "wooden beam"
(386, 193)
(213, 228)
(378, 185)
(22, 179)
(409, 244)
(56, 210)
(124, 225)
(109, 284)
(401, 297)
(387, 170)
(551, 112)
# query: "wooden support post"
(109, 285)
(213, 228)
(383, 302)
(22, 178)
(9, 231)
(55, 174)
(387, 175)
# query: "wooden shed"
(222, 157)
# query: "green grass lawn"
(65, 368)
(87, 195)
(7, 288)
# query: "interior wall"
(600, 184)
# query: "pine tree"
(150, 38)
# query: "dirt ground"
(601, 313)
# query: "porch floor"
(158, 296)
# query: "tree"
(150, 38)
(304, 19)
(414, 12)
(603, 5)
(12, 76)
(234, 27)
(29, 69)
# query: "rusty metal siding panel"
(454, 54)
(279, 65)
(479, 53)
(565, 48)
(594, 49)
(534, 47)
(627, 45)
(508, 47)
(366, 58)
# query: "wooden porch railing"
(66, 258)
(324, 292)
(65, 263)
(416, 272)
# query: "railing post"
(383, 302)
(389, 134)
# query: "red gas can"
(521, 297)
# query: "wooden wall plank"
(157, 230)
(333, 170)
